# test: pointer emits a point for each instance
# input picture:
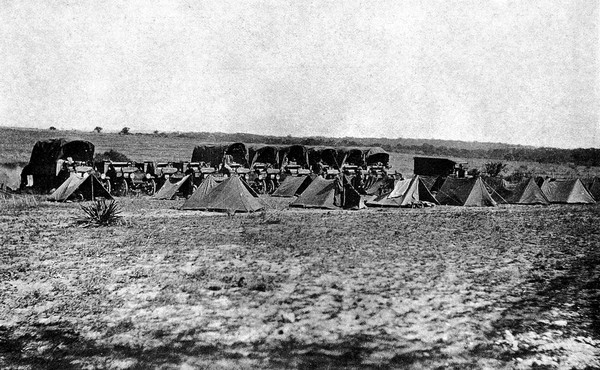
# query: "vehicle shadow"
(561, 294)
(58, 346)
(568, 284)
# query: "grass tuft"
(14, 201)
(101, 213)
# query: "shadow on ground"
(58, 346)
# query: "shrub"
(519, 174)
(98, 129)
(111, 155)
(124, 131)
(493, 169)
(101, 213)
(474, 172)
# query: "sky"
(513, 71)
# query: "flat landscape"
(16, 145)
(443, 287)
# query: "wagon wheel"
(151, 187)
(263, 187)
(107, 186)
(121, 188)
(270, 187)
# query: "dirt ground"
(446, 287)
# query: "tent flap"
(170, 188)
(292, 186)
(407, 193)
(567, 191)
(231, 195)
(82, 188)
(470, 192)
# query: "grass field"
(444, 287)
(447, 287)
(16, 145)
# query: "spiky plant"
(101, 213)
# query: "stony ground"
(510, 287)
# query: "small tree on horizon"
(52, 128)
(98, 129)
(124, 131)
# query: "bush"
(124, 131)
(519, 174)
(474, 172)
(111, 155)
(101, 213)
(493, 169)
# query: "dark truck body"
(44, 171)
(429, 166)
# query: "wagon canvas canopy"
(209, 153)
(351, 156)
(566, 191)
(406, 193)
(87, 187)
(42, 166)
(429, 166)
(470, 192)
(292, 186)
(170, 188)
(523, 192)
(231, 195)
(238, 153)
(323, 155)
(375, 155)
(267, 154)
(297, 154)
(46, 151)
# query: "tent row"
(318, 192)
(474, 192)
(234, 194)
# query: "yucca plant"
(101, 213)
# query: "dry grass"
(445, 287)
(18, 201)
(16, 145)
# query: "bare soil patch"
(447, 287)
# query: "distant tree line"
(496, 151)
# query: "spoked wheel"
(150, 187)
(270, 187)
(107, 186)
(121, 188)
(263, 187)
